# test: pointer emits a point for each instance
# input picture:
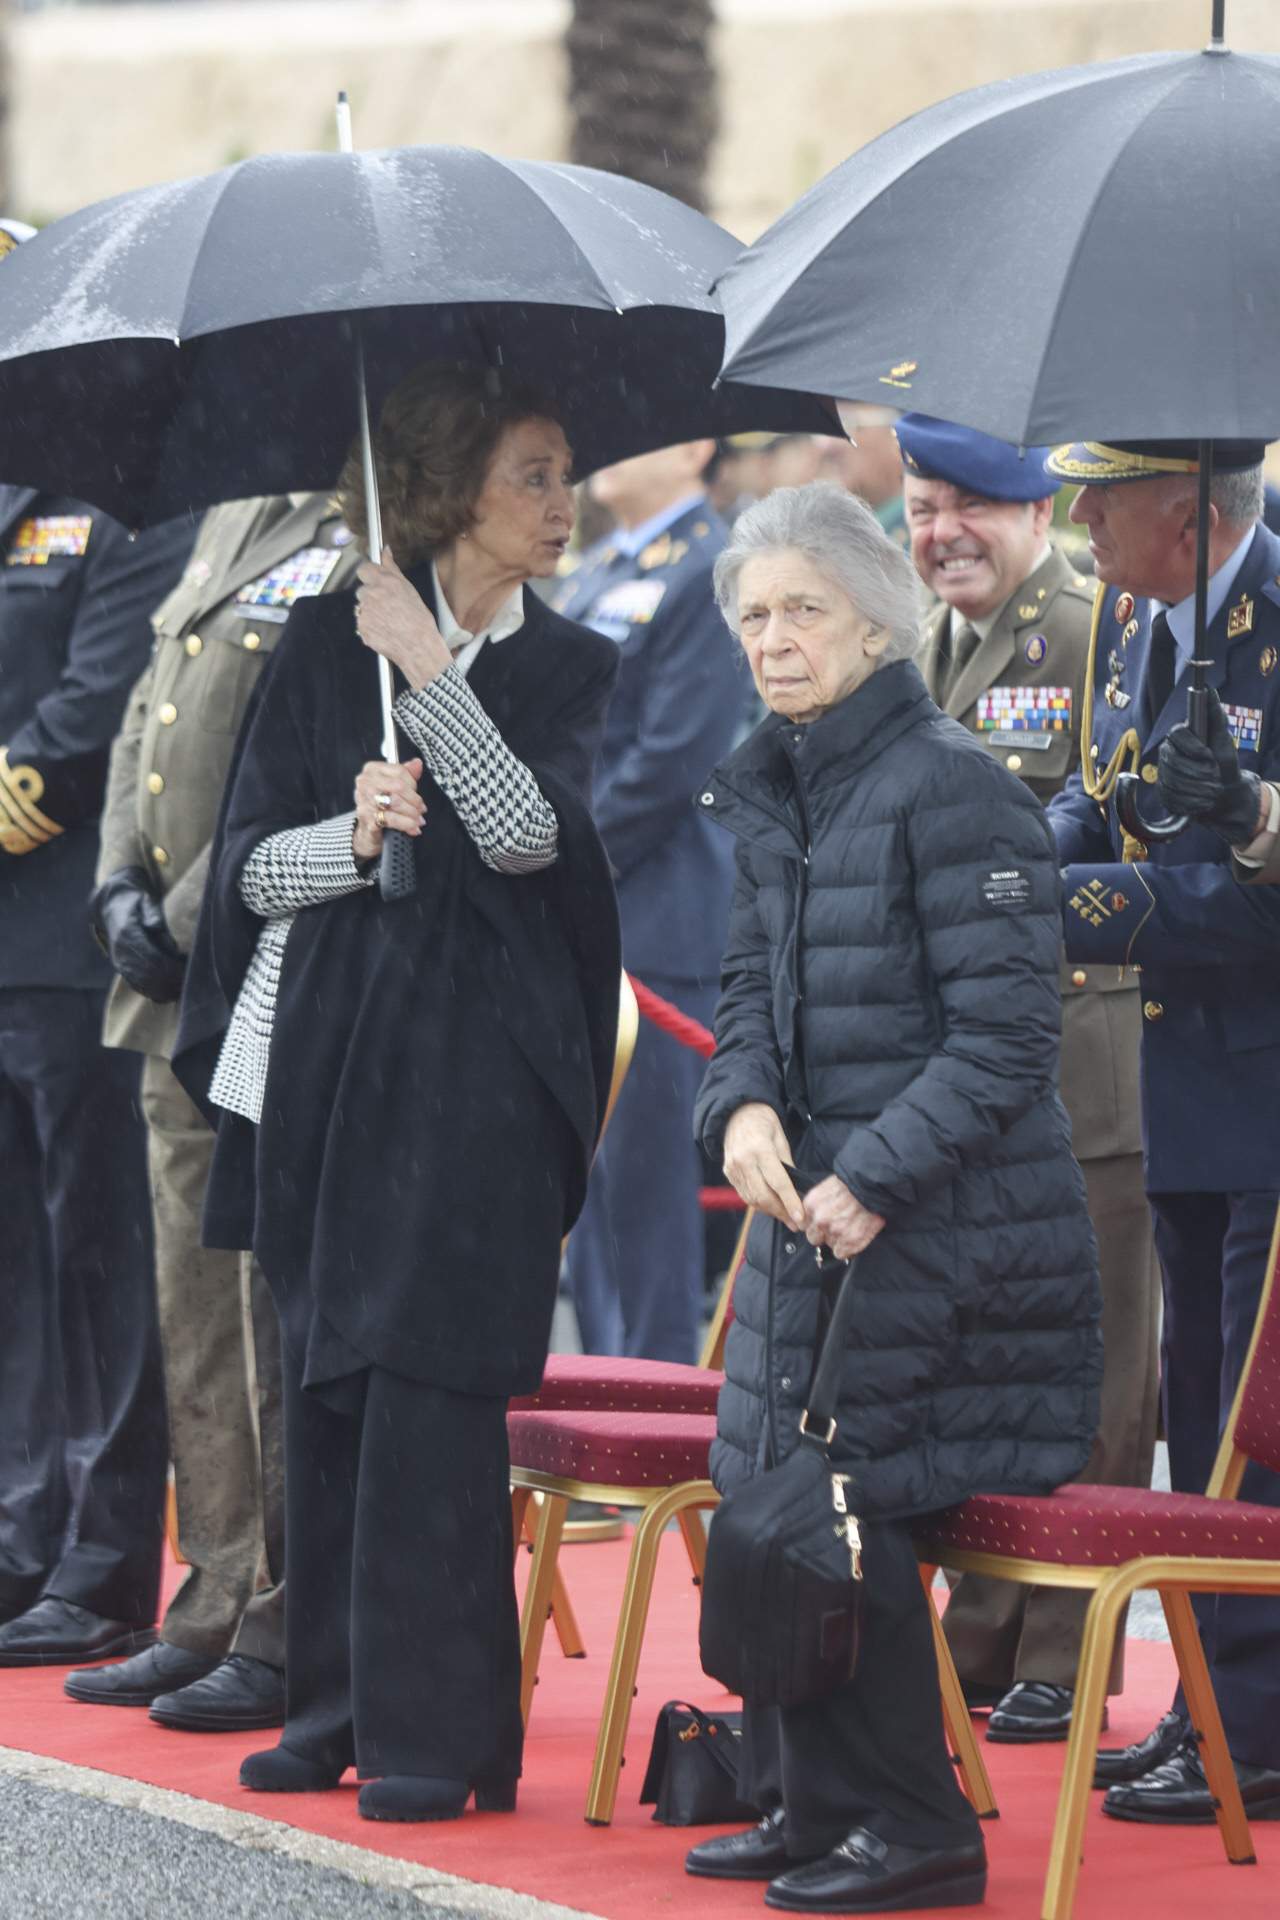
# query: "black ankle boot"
(417, 1796)
(281, 1770)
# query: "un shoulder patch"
(1005, 889)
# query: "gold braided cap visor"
(1094, 464)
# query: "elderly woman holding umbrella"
(411, 1089)
(886, 1047)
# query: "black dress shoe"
(1130, 1763)
(57, 1633)
(239, 1695)
(1034, 1710)
(979, 1697)
(1177, 1793)
(414, 1796)
(135, 1683)
(868, 1875)
(757, 1854)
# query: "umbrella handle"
(395, 869)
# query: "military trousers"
(1000, 1632)
(82, 1440)
(1213, 1254)
(637, 1256)
(221, 1343)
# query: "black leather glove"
(1204, 778)
(129, 925)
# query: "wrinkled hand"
(834, 1218)
(406, 808)
(393, 619)
(129, 925)
(756, 1158)
(1204, 778)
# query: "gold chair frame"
(1174, 1577)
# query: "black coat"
(438, 1065)
(891, 989)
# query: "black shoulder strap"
(817, 1423)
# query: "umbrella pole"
(395, 869)
(1129, 786)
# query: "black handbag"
(692, 1776)
(781, 1592)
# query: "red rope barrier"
(689, 1033)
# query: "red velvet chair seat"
(1104, 1526)
(601, 1383)
(613, 1449)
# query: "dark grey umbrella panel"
(1086, 254)
(194, 342)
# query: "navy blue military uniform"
(636, 1257)
(1208, 951)
(83, 1448)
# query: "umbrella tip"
(1218, 28)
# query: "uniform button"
(160, 855)
(155, 783)
(785, 1381)
(1079, 977)
(788, 1246)
(1151, 773)
(167, 714)
(194, 644)
(707, 799)
(252, 642)
(1153, 1010)
(1015, 763)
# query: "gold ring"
(380, 818)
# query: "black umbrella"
(199, 341)
(1056, 257)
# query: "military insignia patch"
(1036, 648)
(656, 554)
(900, 375)
(1131, 629)
(1028, 610)
(1090, 902)
(1267, 660)
(630, 603)
(56, 536)
(1025, 710)
(304, 573)
(1246, 727)
(1115, 696)
(1240, 618)
(1123, 608)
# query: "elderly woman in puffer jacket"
(888, 1026)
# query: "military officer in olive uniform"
(636, 1257)
(1005, 653)
(82, 1443)
(1209, 953)
(219, 1661)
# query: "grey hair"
(844, 540)
(1239, 497)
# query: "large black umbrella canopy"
(1085, 254)
(193, 342)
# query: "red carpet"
(634, 1867)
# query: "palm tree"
(642, 91)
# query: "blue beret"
(940, 450)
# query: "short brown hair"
(432, 448)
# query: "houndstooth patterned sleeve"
(301, 866)
(497, 798)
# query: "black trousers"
(401, 1633)
(83, 1440)
(872, 1755)
(1213, 1255)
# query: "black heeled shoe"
(415, 1796)
(281, 1770)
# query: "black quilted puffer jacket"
(890, 988)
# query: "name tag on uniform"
(299, 577)
(631, 603)
(53, 537)
(1019, 711)
(1246, 727)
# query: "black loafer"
(757, 1854)
(868, 1875)
(1176, 1793)
(1114, 1764)
(136, 1682)
(57, 1633)
(1034, 1710)
(240, 1695)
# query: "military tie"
(1161, 672)
(965, 641)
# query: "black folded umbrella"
(1070, 256)
(194, 342)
